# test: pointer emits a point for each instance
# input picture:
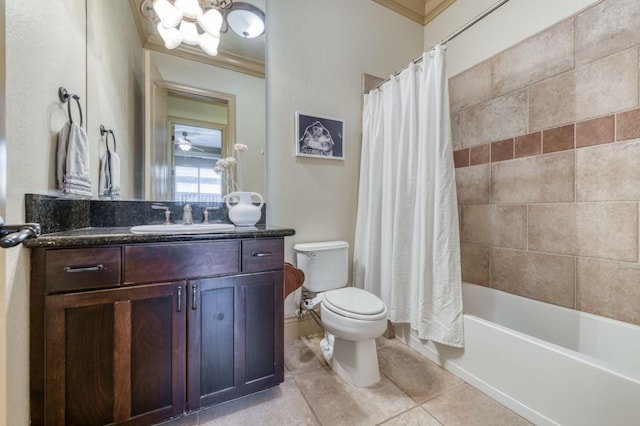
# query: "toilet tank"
(325, 264)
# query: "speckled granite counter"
(122, 235)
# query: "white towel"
(72, 168)
(110, 175)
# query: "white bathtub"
(550, 364)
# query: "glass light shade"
(209, 43)
(189, 32)
(189, 8)
(184, 146)
(172, 37)
(245, 23)
(211, 22)
(169, 15)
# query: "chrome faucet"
(187, 217)
(167, 213)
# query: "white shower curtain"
(407, 248)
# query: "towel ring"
(106, 139)
(64, 98)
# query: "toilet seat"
(352, 302)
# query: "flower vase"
(242, 211)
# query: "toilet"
(352, 318)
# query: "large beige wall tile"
(499, 226)
(608, 172)
(541, 179)
(498, 119)
(474, 263)
(537, 58)
(552, 102)
(473, 184)
(476, 224)
(608, 85)
(602, 230)
(471, 87)
(545, 277)
(456, 136)
(606, 28)
(610, 289)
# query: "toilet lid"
(355, 303)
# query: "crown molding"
(420, 11)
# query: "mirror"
(144, 92)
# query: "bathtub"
(552, 365)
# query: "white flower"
(231, 160)
(240, 147)
(222, 163)
(218, 169)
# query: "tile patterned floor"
(412, 391)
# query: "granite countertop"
(122, 235)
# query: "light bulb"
(209, 43)
(168, 14)
(189, 32)
(189, 8)
(172, 37)
(211, 22)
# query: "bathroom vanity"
(140, 328)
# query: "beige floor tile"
(302, 355)
(280, 406)
(336, 402)
(414, 417)
(420, 378)
(466, 406)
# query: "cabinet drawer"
(79, 269)
(262, 255)
(166, 262)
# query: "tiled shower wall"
(547, 149)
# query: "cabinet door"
(235, 343)
(115, 355)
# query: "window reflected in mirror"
(196, 151)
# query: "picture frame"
(319, 137)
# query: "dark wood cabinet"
(115, 355)
(235, 337)
(180, 327)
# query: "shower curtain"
(407, 248)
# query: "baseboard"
(295, 328)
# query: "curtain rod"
(453, 35)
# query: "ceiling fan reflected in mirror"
(184, 144)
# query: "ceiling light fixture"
(200, 22)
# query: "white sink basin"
(196, 228)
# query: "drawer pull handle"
(180, 299)
(262, 254)
(73, 269)
(194, 296)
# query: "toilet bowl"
(352, 318)
(354, 356)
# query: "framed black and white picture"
(319, 137)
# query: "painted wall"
(547, 148)
(115, 91)
(316, 55)
(33, 116)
